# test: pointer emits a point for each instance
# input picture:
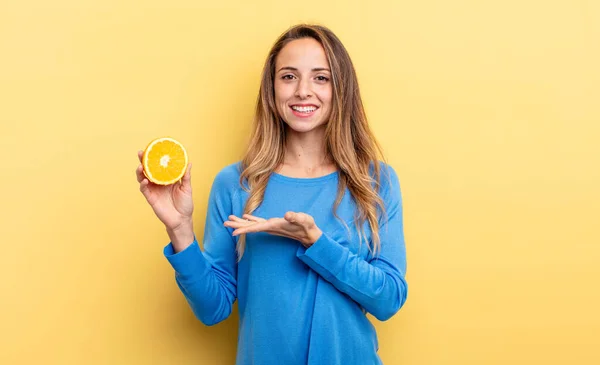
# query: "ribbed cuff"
(188, 262)
(324, 255)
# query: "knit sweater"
(297, 305)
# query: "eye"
(322, 78)
(287, 77)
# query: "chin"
(303, 127)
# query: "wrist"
(182, 235)
(313, 236)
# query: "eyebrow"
(295, 69)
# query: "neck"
(306, 153)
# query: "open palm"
(297, 226)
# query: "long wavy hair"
(349, 140)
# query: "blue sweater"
(296, 305)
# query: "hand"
(297, 226)
(172, 204)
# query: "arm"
(208, 279)
(377, 284)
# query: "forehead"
(302, 53)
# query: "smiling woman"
(306, 232)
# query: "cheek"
(282, 94)
(277, 91)
(327, 98)
(327, 103)
(279, 99)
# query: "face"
(303, 90)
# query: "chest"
(317, 201)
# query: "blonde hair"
(350, 142)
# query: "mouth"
(303, 110)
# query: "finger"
(291, 217)
(187, 177)
(144, 186)
(139, 173)
(272, 226)
(252, 228)
(236, 219)
(236, 225)
(140, 154)
(235, 222)
(253, 218)
(298, 218)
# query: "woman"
(306, 231)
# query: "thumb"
(290, 217)
(187, 177)
(296, 218)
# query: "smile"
(303, 111)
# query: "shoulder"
(389, 182)
(230, 172)
(228, 178)
(387, 173)
(387, 169)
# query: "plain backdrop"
(488, 110)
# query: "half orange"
(165, 161)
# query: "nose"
(303, 89)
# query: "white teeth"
(304, 109)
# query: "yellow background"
(488, 110)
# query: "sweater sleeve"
(207, 278)
(377, 284)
